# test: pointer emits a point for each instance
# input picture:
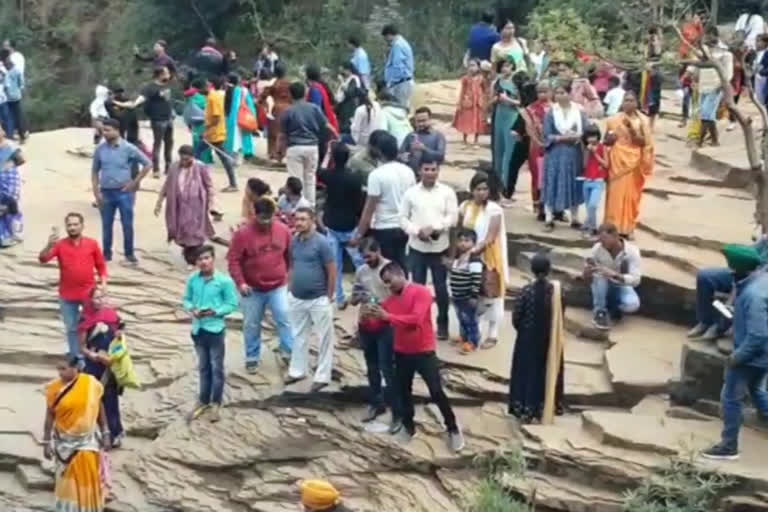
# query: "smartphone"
(723, 309)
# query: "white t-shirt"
(363, 124)
(613, 100)
(389, 182)
(752, 25)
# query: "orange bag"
(246, 120)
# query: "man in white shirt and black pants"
(428, 212)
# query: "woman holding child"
(484, 215)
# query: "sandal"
(576, 225)
(549, 227)
(467, 348)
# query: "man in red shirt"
(80, 260)
(409, 310)
(259, 257)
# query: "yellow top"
(215, 133)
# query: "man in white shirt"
(751, 23)
(18, 59)
(386, 187)
(428, 212)
(614, 97)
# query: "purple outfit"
(189, 198)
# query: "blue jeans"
(114, 200)
(253, 313)
(612, 297)
(708, 282)
(738, 381)
(338, 240)
(5, 119)
(70, 313)
(379, 350)
(468, 325)
(593, 194)
(210, 363)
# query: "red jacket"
(260, 258)
(410, 314)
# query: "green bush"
(491, 497)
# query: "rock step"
(730, 168)
(32, 374)
(561, 494)
(669, 295)
(33, 478)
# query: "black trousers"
(428, 366)
(392, 242)
(162, 135)
(420, 262)
(16, 113)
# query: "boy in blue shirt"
(210, 296)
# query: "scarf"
(569, 121)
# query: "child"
(291, 200)
(99, 112)
(595, 173)
(470, 112)
(614, 97)
(466, 277)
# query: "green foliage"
(496, 463)
(491, 497)
(681, 488)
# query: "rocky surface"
(620, 430)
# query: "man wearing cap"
(710, 283)
(748, 365)
(320, 496)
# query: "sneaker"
(721, 451)
(456, 440)
(395, 426)
(215, 414)
(341, 306)
(229, 190)
(198, 411)
(293, 380)
(252, 367)
(130, 261)
(117, 441)
(318, 386)
(156, 175)
(442, 333)
(730, 127)
(697, 331)
(404, 436)
(600, 320)
(373, 413)
(711, 334)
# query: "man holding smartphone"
(210, 296)
(613, 266)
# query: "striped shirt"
(466, 278)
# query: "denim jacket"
(750, 321)
(14, 84)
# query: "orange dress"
(471, 110)
(630, 165)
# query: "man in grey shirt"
(302, 129)
(425, 143)
(114, 188)
(312, 283)
(614, 268)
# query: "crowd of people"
(384, 205)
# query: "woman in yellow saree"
(631, 162)
(71, 437)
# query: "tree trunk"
(714, 7)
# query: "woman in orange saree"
(71, 436)
(631, 162)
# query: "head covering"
(319, 494)
(742, 258)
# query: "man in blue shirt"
(482, 37)
(209, 297)
(360, 61)
(114, 188)
(398, 72)
(14, 91)
(748, 365)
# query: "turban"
(742, 259)
(319, 494)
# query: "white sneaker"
(456, 440)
